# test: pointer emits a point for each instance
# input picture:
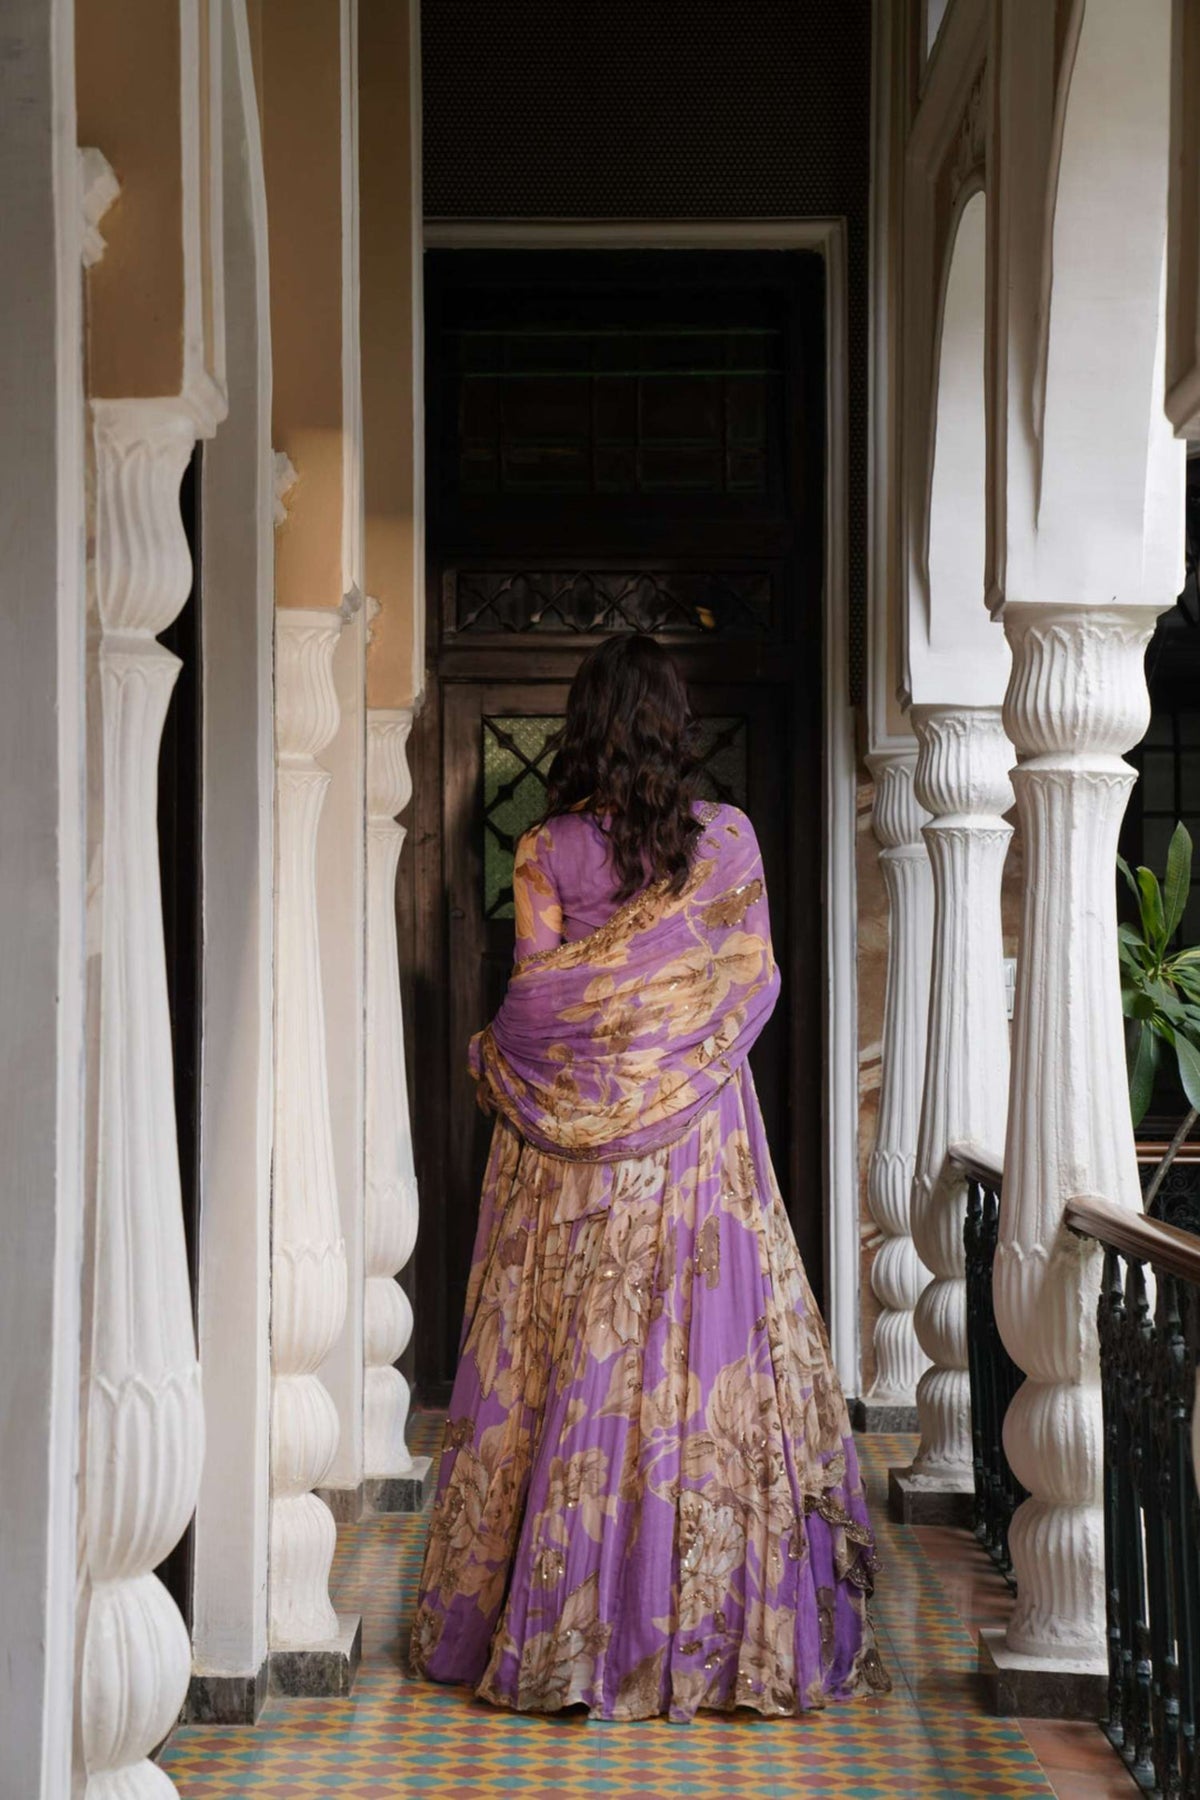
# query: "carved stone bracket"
(98, 188)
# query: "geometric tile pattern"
(412, 1740)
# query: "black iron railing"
(994, 1376)
(1149, 1320)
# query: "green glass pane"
(517, 753)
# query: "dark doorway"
(613, 442)
(179, 798)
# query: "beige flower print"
(712, 1548)
(558, 1666)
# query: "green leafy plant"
(1160, 988)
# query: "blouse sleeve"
(535, 896)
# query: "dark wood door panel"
(553, 523)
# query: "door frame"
(839, 1125)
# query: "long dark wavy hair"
(625, 752)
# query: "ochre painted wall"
(128, 98)
(300, 63)
(389, 176)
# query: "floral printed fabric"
(649, 1499)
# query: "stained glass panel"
(517, 753)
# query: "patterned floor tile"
(412, 1741)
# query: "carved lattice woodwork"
(701, 602)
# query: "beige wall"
(299, 60)
(389, 126)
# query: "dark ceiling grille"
(720, 109)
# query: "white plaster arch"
(1116, 455)
(954, 652)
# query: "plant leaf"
(1188, 1058)
(1188, 981)
(1154, 921)
(1143, 1061)
(1167, 1003)
(1179, 877)
(1127, 872)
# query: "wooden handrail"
(976, 1163)
(1131, 1233)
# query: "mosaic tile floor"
(403, 1740)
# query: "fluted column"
(143, 1422)
(391, 1219)
(308, 1266)
(963, 781)
(1076, 701)
(898, 1274)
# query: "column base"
(1035, 1687)
(914, 1500)
(225, 1699)
(409, 1493)
(320, 1669)
(889, 1416)
(347, 1504)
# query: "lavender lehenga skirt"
(649, 1500)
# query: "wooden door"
(547, 535)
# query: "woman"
(649, 1497)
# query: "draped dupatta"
(611, 1046)
(649, 1499)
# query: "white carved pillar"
(1076, 701)
(898, 1274)
(308, 1265)
(963, 781)
(143, 1422)
(391, 1222)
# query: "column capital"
(389, 784)
(896, 814)
(142, 565)
(1077, 687)
(307, 710)
(963, 761)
